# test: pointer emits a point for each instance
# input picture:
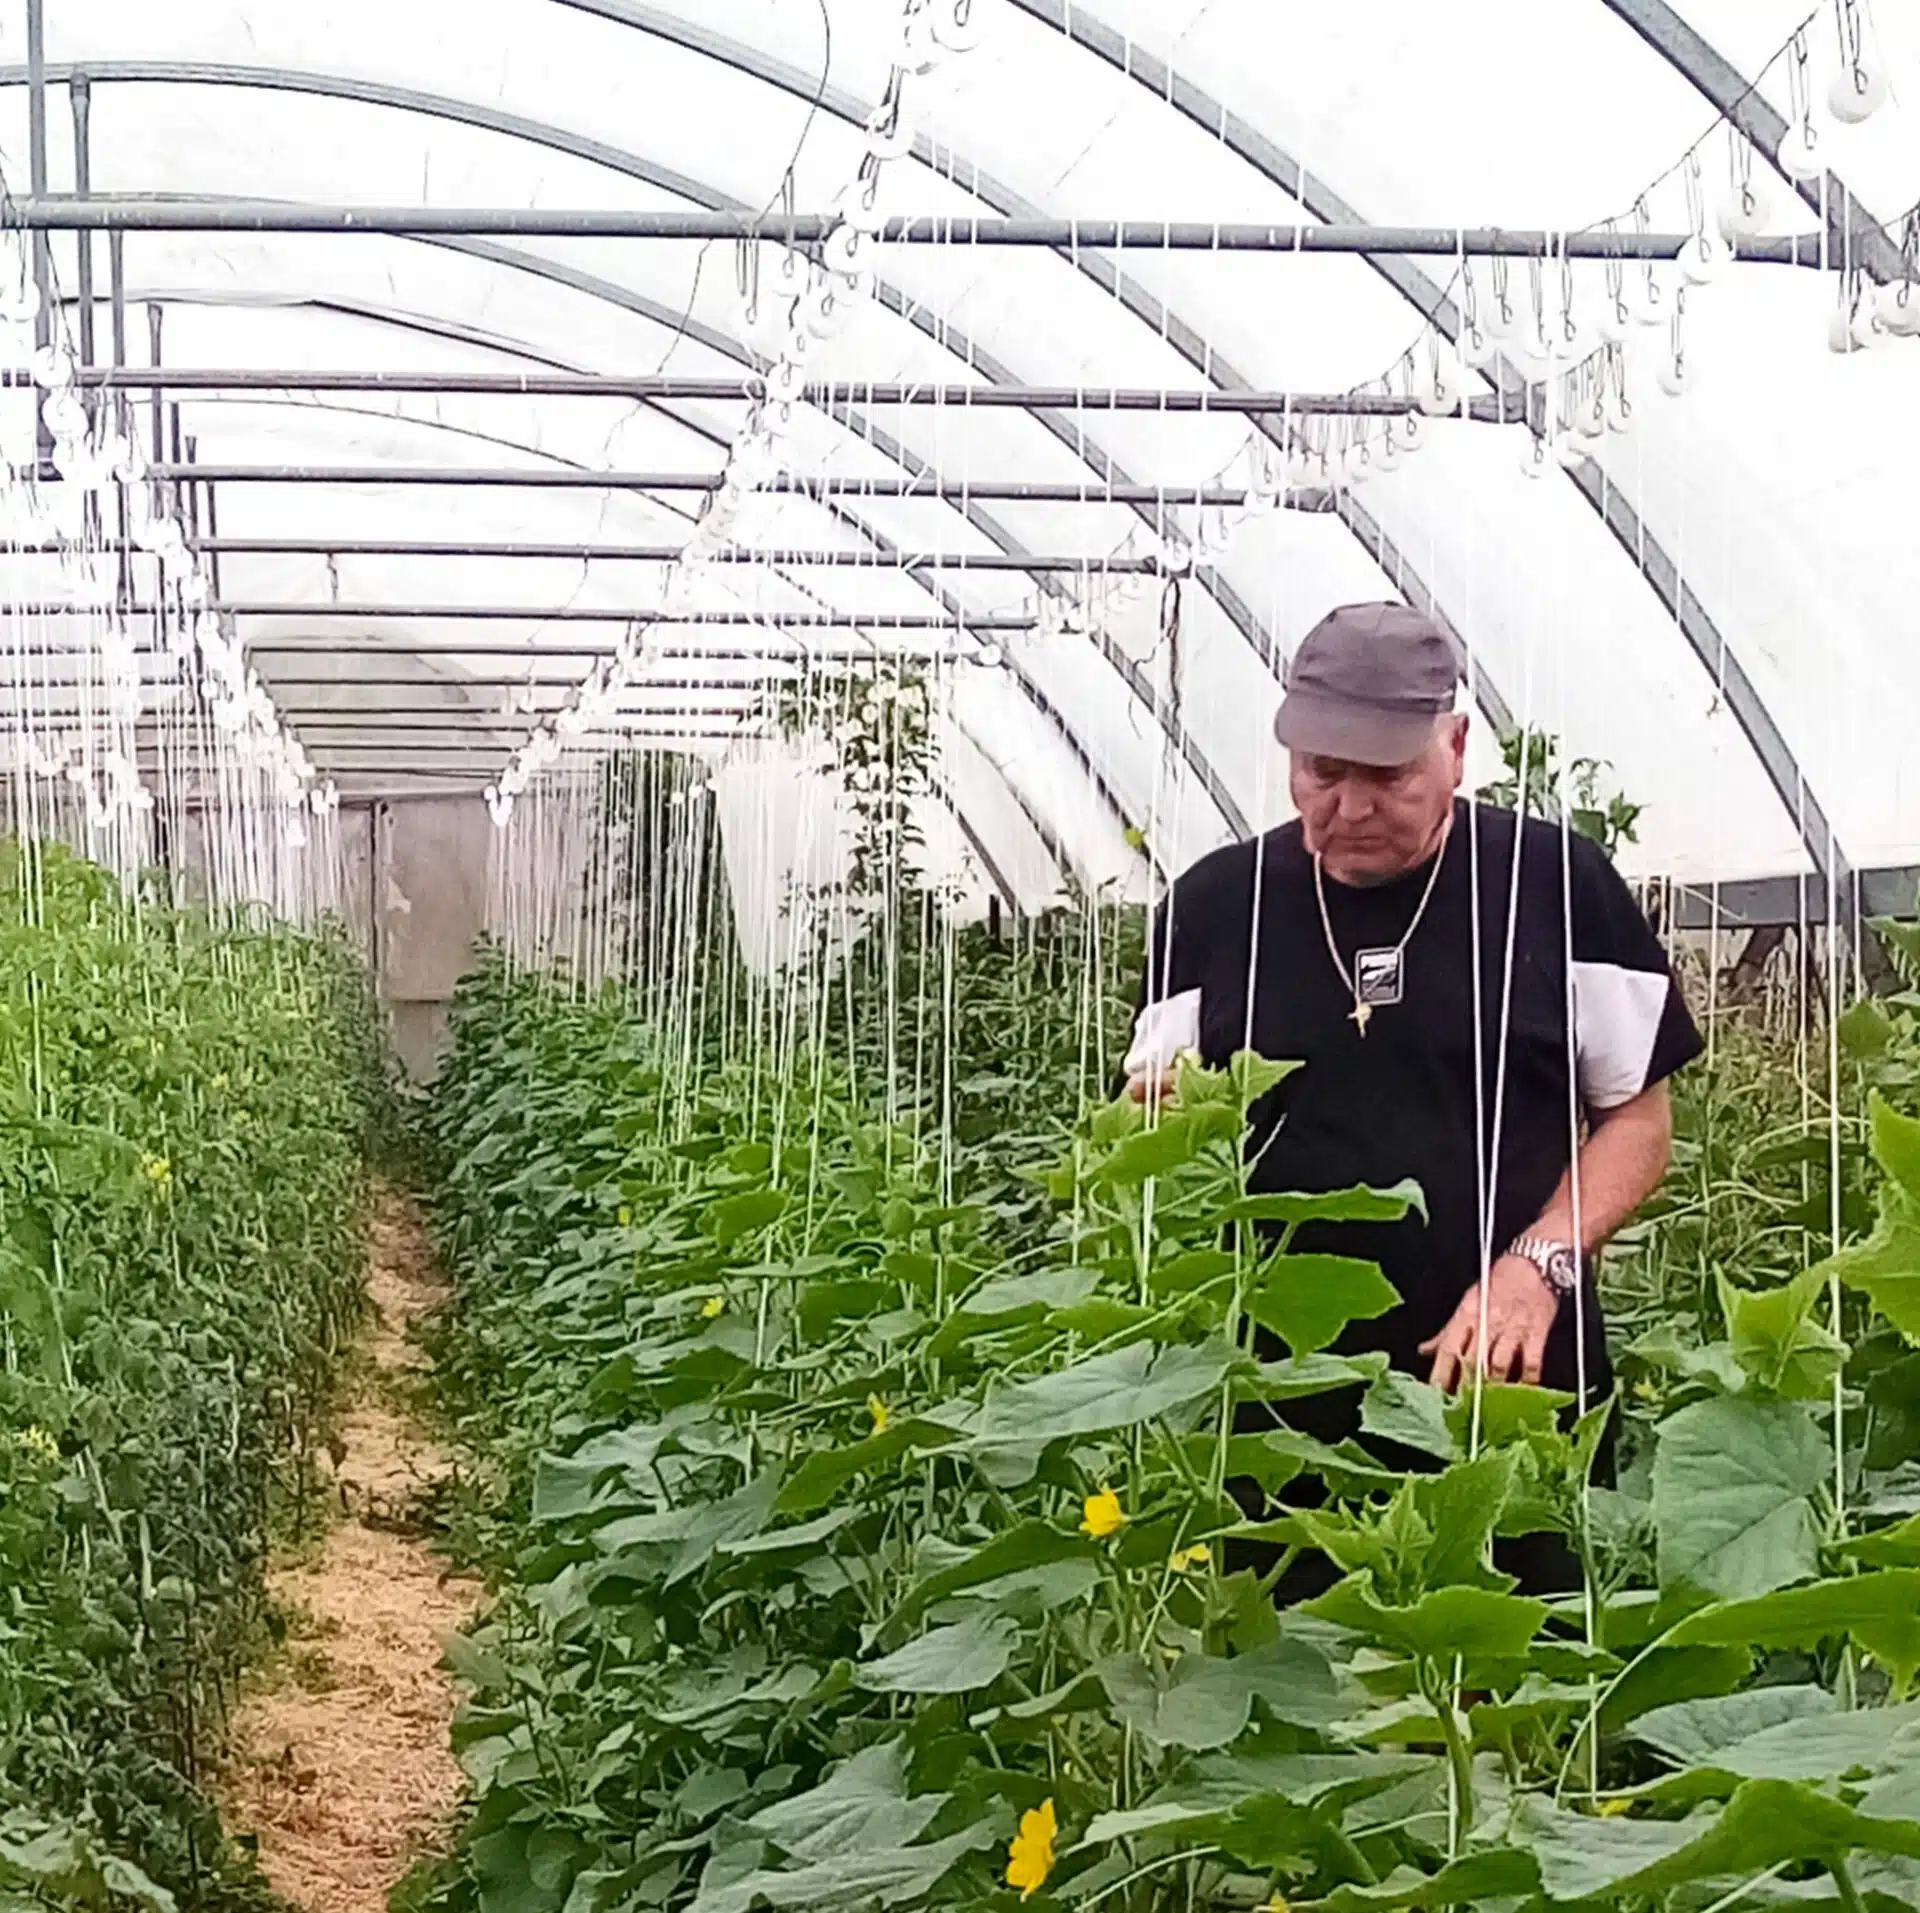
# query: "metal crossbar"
(53, 212)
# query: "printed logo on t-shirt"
(1377, 977)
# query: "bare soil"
(342, 1767)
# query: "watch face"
(1562, 1271)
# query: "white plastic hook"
(859, 206)
(51, 367)
(1654, 304)
(1745, 211)
(889, 131)
(1440, 382)
(1898, 303)
(1704, 257)
(1858, 90)
(848, 251)
(1798, 155)
(956, 25)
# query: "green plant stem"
(1459, 1760)
(1151, 1867)
(1849, 1893)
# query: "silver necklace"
(1378, 977)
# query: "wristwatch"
(1559, 1266)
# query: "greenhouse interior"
(959, 953)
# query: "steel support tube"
(542, 478)
(37, 176)
(60, 213)
(657, 388)
(480, 723)
(591, 553)
(117, 293)
(728, 700)
(583, 614)
(523, 680)
(478, 757)
(488, 725)
(478, 647)
(80, 99)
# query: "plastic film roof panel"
(1770, 484)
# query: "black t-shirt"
(1406, 1098)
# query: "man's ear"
(1458, 745)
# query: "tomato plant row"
(182, 1116)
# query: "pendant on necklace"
(1379, 977)
(1361, 1016)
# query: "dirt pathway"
(342, 1768)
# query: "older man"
(1478, 1001)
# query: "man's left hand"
(1520, 1308)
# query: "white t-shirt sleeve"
(1617, 1014)
(1160, 1032)
(1631, 1028)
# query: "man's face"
(1372, 823)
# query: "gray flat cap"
(1366, 685)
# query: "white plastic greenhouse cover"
(1719, 601)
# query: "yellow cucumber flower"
(36, 1441)
(1030, 1857)
(1102, 1515)
(881, 1414)
(1197, 1556)
(712, 1306)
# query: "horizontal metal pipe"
(591, 553)
(23, 703)
(570, 478)
(55, 212)
(458, 786)
(579, 614)
(434, 782)
(494, 648)
(478, 718)
(777, 667)
(659, 388)
(601, 734)
(479, 755)
(522, 681)
(569, 662)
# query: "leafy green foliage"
(182, 1113)
(866, 1463)
(1538, 784)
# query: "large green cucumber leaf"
(1766, 1823)
(948, 1660)
(1731, 1487)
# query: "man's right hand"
(1155, 1089)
